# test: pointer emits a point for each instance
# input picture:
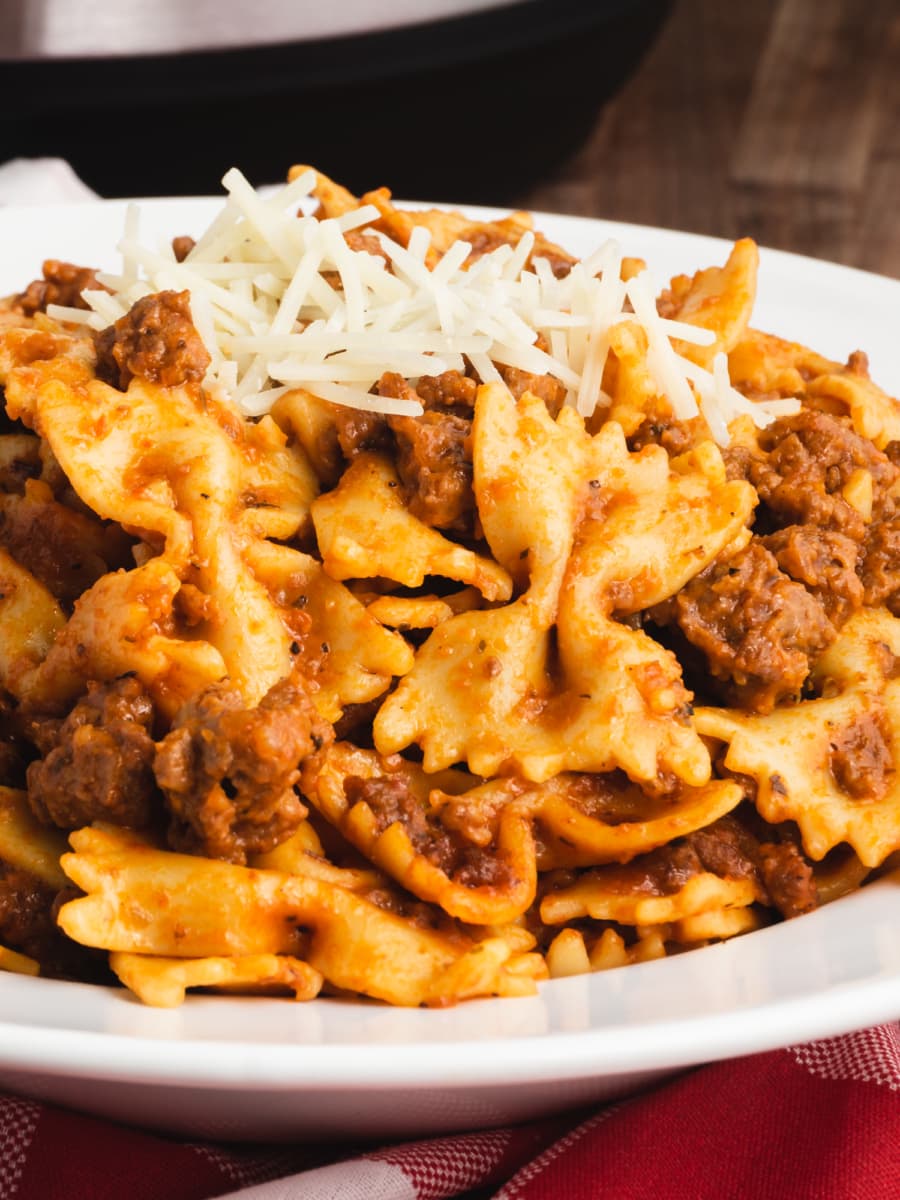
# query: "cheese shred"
(282, 301)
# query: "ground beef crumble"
(759, 630)
(62, 283)
(861, 760)
(228, 772)
(391, 799)
(98, 761)
(434, 453)
(155, 341)
(726, 848)
(825, 562)
(806, 460)
(880, 566)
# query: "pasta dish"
(394, 605)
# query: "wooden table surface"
(774, 118)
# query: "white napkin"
(41, 181)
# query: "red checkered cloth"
(815, 1121)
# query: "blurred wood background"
(774, 118)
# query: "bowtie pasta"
(392, 605)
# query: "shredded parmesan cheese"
(282, 301)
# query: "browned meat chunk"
(98, 762)
(738, 461)
(723, 848)
(824, 561)
(182, 246)
(492, 234)
(861, 761)
(391, 799)
(757, 628)
(788, 878)
(726, 848)
(155, 341)
(66, 550)
(434, 458)
(780, 867)
(28, 909)
(809, 457)
(62, 284)
(228, 772)
(676, 437)
(449, 391)
(545, 387)
(359, 430)
(434, 462)
(14, 749)
(25, 906)
(880, 570)
(359, 240)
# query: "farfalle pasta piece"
(382, 806)
(365, 530)
(162, 982)
(629, 382)
(830, 764)
(622, 894)
(874, 414)
(716, 925)
(530, 480)
(30, 619)
(334, 198)
(116, 628)
(18, 964)
(473, 690)
(490, 968)
(762, 364)
(569, 953)
(719, 299)
(410, 612)
(35, 352)
(103, 439)
(277, 483)
(661, 524)
(472, 693)
(631, 711)
(863, 655)
(591, 819)
(26, 843)
(346, 652)
(839, 874)
(140, 900)
(482, 689)
(192, 480)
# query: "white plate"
(276, 1069)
